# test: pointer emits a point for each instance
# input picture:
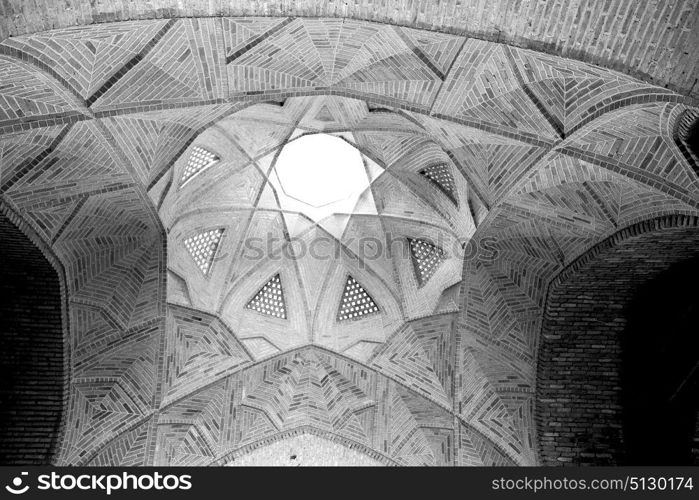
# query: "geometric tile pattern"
(202, 247)
(270, 299)
(559, 153)
(27, 92)
(88, 57)
(426, 258)
(199, 160)
(313, 392)
(199, 349)
(405, 354)
(561, 29)
(441, 176)
(355, 302)
(187, 60)
(345, 55)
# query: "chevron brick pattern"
(536, 159)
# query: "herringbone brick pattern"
(527, 157)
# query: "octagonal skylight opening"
(321, 169)
(319, 175)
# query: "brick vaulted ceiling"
(547, 157)
(650, 40)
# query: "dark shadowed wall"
(31, 351)
(618, 346)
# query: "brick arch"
(579, 389)
(305, 430)
(91, 232)
(532, 27)
(685, 133)
(35, 346)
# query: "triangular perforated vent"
(202, 248)
(441, 176)
(270, 299)
(426, 259)
(355, 302)
(199, 160)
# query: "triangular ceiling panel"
(49, 219)
(256, 137)
(240, 32)
(426, 257)
(149, 285)
(200, 351)
(570, 90)
(395, 199)
(483, 86)
(403, 358)
(355, 302)
(202, 248)
(436, 334)
(199, 159)
(269, 299)
(408, 444)
(333, 113)
(390, 146)
(440, 48)
(482, 406)
(86, 57)
(284, 58)
(495, 168)
(83, 161)
(182, 65)
(441, 176)
(123, 279)
(16, 149)
(632, 136)
(127, 450)
(149, 144)
(27, 92)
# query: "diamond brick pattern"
(270, 299)
(202, 248)
(355, 302)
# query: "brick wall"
(583, 348)
(31, 350)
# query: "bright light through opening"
(321, 169)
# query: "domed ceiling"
(392, 226)
(213, 308)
